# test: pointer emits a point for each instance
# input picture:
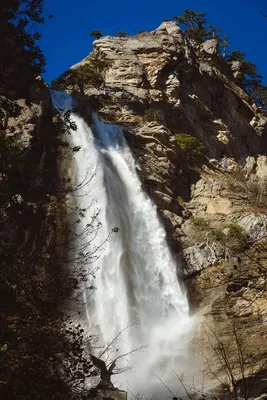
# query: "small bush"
(221, 77)
(181, 201)
(254, 190)
(121, 34)
(96, 34)
(152, 114)
(236, 238)
(232, 236)
(191, 146)
(90, 74)
(199, 222)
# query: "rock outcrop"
(160, 85)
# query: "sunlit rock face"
(193, 91)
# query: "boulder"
(210, 46)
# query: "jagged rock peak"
(169, 27)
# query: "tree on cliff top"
(259, 96)
(121, 34)
(249, 78)
(89, 74)
(248, 69)
(196, 26)
(96, 34)
(21, 60)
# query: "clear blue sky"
(65, 38)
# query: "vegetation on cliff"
(96, 34)
(192, 147)
(41, 355)
(21, 60)
(89, 74)
(197, 28)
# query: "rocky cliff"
(159, 85)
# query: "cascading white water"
(137, 291)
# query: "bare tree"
(232, 361)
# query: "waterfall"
(137, 297)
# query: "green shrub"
(196, 26)
(249, 79)
(252, 189)
(152, 114)
(236, 238)
(218, 235)
(90, 74)
(232, 237)
(96, 34)
(200, 223)
(181, 201)
(221, 77)
(22, 60)
(191, 146)
(121, 34)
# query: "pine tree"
(96, 34)
(250, 79)
(196, 26)
(21, 60)
(121, 34)
(90, 74)
(259, 96)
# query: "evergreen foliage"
(41, 356)
(21, 60)
(191, 146)
(96, 34)
(90, 74)
(259, 96)
(250, 79)
(121, 34)
(196, 26)
(152, 114)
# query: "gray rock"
(236, 66)
(203, 255)
(210, 46)
(255, 225)
(175, 220)
(170, 27)
(206, 68)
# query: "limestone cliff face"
(28, 207)
(215, 213)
